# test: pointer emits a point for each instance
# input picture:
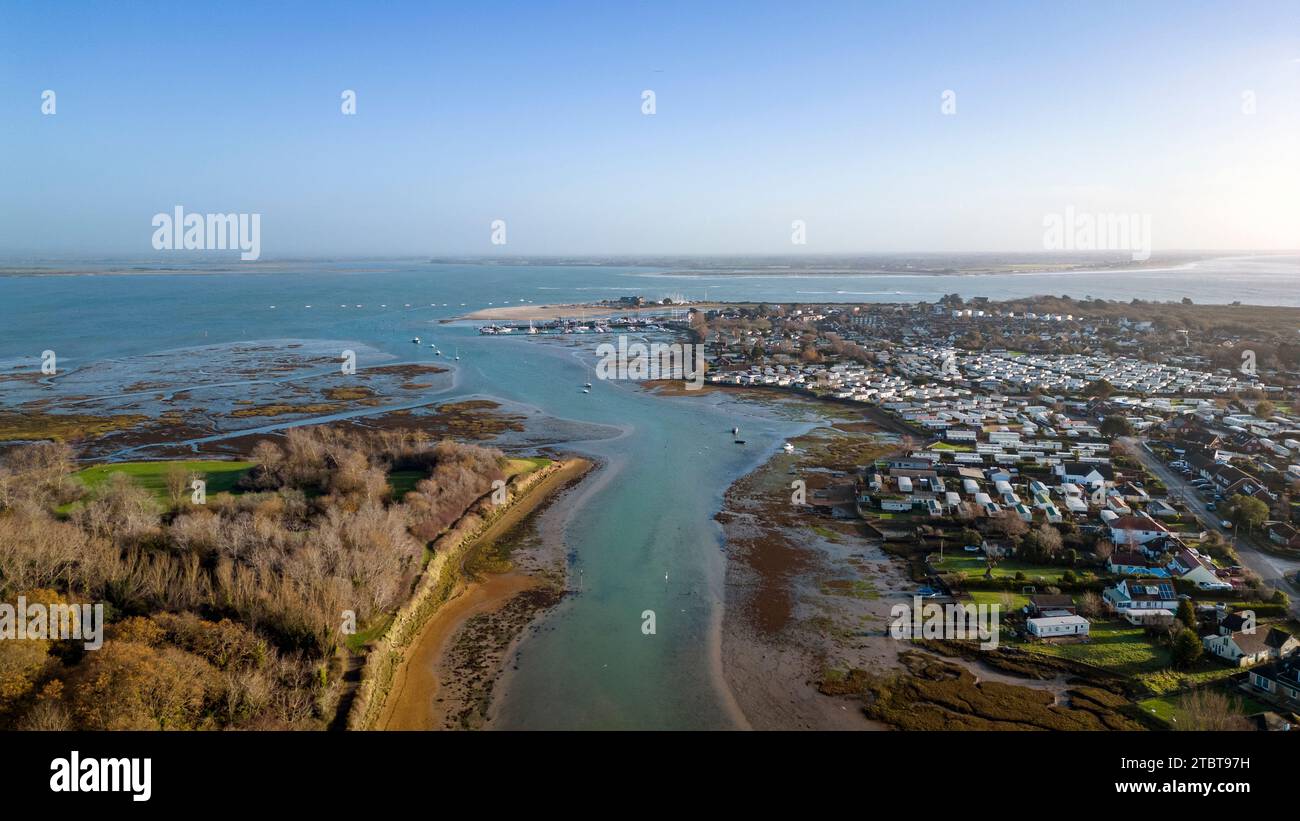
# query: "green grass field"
(994, 597)
(952, 447)
(357, 641)
(1116, 646)
(973, 565)
(1168, 707)
(515, 467)
(1119, 647)
(221, 476)
(404, 481)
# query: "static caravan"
(1049, 627)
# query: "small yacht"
(457, 353)
(416, 340)
(788, 448)
(734, 431)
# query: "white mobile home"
(1049, 627)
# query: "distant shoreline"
(831, 265)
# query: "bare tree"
(178, 481)
(1104, 549)
(1091, 605)
(1206, 709)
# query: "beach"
(446, 677)
(544, 313)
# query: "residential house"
(1284, 534)
(1280, 679)
(1088, 474)
(1133, 563)
(1192, 566)
(1248, 648)
(1134, 530)
(1139, 601)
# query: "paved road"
(1270, 568)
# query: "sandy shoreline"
(427, 693)
(543, 313)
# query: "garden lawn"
(1116, 646)
(995, 597)
(972, 565)
(1168, 707)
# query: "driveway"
(1270, 568)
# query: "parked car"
(1211, 506)
(1225, 523)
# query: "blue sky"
(531, 112)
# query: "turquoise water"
(650, 512)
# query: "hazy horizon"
(189, 258)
